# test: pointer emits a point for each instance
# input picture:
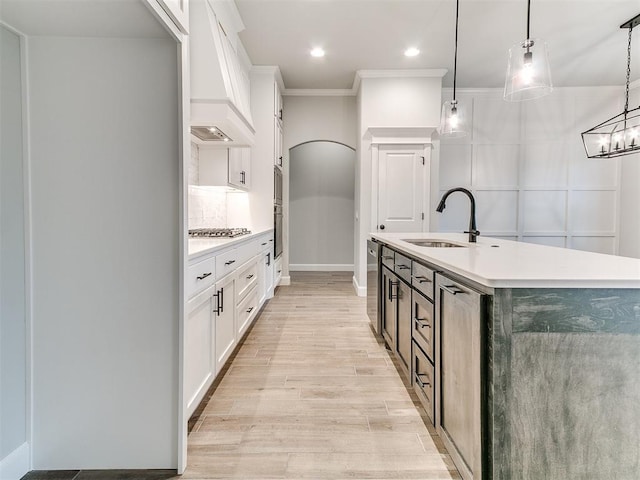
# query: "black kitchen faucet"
(473, 232)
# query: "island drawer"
(423, 381)
(422, 279)
(422, 323)
(200, 275)
(402, 267)
(388, 257)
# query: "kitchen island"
(537, 378)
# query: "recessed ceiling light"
(317, 52)
(411, 52)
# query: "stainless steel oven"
(277, 223)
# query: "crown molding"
(318, 92)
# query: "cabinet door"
(224, 318)
(178, 11)
(389, 314)
(213, 166)
(269, 273)
(458, 311)
(404, 325)
(277, 143)
(199, 359)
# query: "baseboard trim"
(321, 267)
(360, 291)
(15, 465)
(285, 280)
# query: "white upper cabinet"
(230, 167)
(178, 10)
(240, 167)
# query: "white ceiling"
(586, 45)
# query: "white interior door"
(401, 189)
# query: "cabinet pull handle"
(218, 310)
(229, 262)
(250, 310)
(250, 277)
(387, 257)
(422, 279)
(452, 289)
(263, 244)
(403, 267)
(391, 285)
(268, 259)
(203, 276)
(422, 322)
(421, 382)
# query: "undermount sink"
(432, 243)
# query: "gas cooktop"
(218, 232)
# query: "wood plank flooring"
(312, 394)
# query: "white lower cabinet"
(220, 314)
(224, 320)
(200, 369)
(278, 271)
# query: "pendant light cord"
(626, 101)
(528, 18)
(455, 53)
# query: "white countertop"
(518, 264)
(200, 246)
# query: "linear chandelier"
(620, 135)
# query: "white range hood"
(219, 75)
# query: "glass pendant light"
(528, 72)
(452, 119)
(620, 135)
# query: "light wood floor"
(312, 394)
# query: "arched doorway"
(321, 206)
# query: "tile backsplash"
(207, 207)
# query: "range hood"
(219, 76)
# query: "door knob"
(381, 227)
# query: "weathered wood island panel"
(564, 384)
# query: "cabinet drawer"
(402, 267)
(422, 323)
(246, 312)
(227, 262)
(388, 257)
(200, 275)
(247, 279)
(423, 380)
(422, 279)
(246, 252)
(264, 243)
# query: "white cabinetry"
(200, 369)
(178, 11)
(225, 166)
(224, 319)
(277, 142)
(278, 271)
(240, 167)
(247, 295)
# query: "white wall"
(630, 194)
(105, 177)
(387, 102)
(321, 206)
(310, 118)
(13, 320)
(526, 165)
